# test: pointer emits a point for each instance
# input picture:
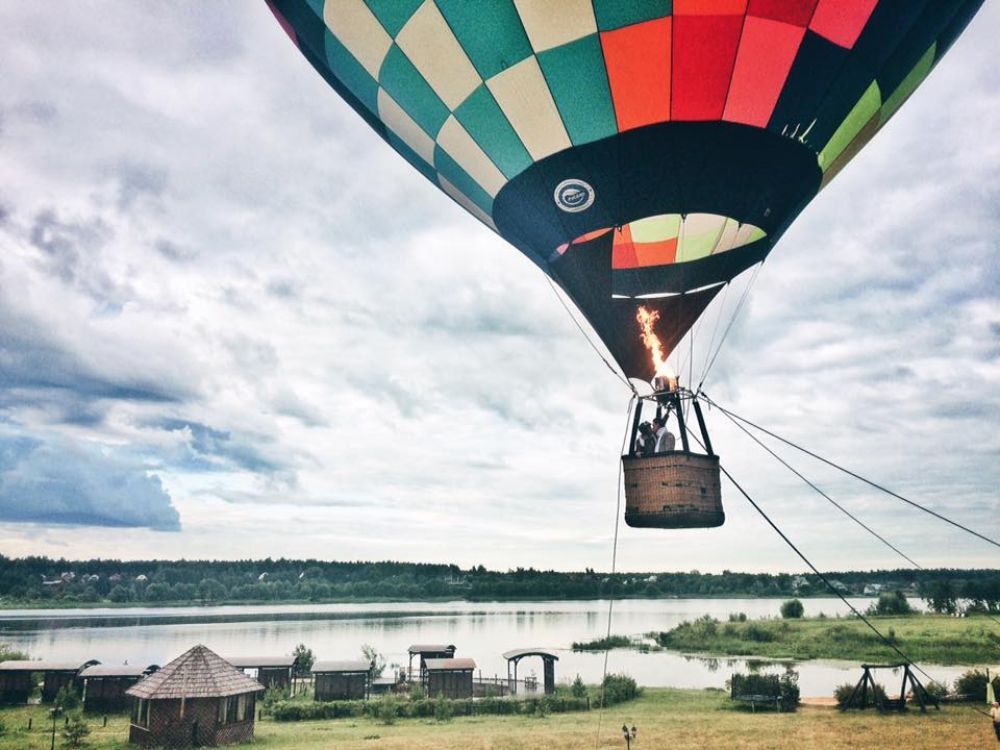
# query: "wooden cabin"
(341, 680)
(449, 678)
(269, 671)
(17, 683)
(428, 651)
(104, 686)
(197, 699)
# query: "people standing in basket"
(664, 438)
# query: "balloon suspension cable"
(632, 403)
(784, 537)
(729, 326)
(869, 482)
(590, 341)
(829, 499)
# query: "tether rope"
(869, 482)
(593, 346)
(614, 563)
(829, 499)
(837, 505)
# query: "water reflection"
(481, 630)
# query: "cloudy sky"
(234, 323)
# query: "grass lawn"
(665, 718)
(924, 638)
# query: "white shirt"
(664, 440)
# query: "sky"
(234, 323)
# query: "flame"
(647, 318)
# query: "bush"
(3, 728)
(443, 710)
(783, 687)
(737, 617)
(938, 690)
(618, 688)
(972, 685)
(417, 692)
(67, 698)
(387, 710)
(843, 694)
(603, 644)
(792, 609)
(891, 603)
(578, 689)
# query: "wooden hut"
(341, 680)
(449, 678)
(428, 651)
(197, 699)
(17, 683)
(104, 686)
(269, 671)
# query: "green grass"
(923, 638)
(665, 718)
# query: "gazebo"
(269, 671)
(428, 651)
(341, 680)
(104, 686)
(449, 678)
(197, 699)
(548, 665)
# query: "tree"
(211, 590)
(792, 609)
(304, 658)
(373, 657)
(940, 596)
(119, 594)
(67, 698)
(75, 732)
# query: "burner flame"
(647, 319)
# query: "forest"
(59, 582)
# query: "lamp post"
(628, 735)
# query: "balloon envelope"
(640, 152)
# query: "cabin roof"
(19, 665)
(197, 673)
(431, 648)
(341, 666)
(116, 670)
(450, 665)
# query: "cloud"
(53, 481)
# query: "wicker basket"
(674, 490)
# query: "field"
(664, 718)
(924, 638)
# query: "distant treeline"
(44, 580)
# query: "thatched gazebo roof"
(198, 673)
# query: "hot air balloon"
(642, 153)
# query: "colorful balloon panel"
(577, 127)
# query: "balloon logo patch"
(574, 195)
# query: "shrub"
(417, 692)
(972, 685)
(67, 698)
(443, 710)
(618, 688)
(792, 609)
(938, 690)
(784, 687)
(891, 603)
(578, 689)
(757, 633)
(272, 696)
(843, 694)
(603, 644)
(387, 710)
(3, 728)
(737, 617)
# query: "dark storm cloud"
(210, 447)
(53, 481)
(36, 367)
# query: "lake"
(481, 630)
